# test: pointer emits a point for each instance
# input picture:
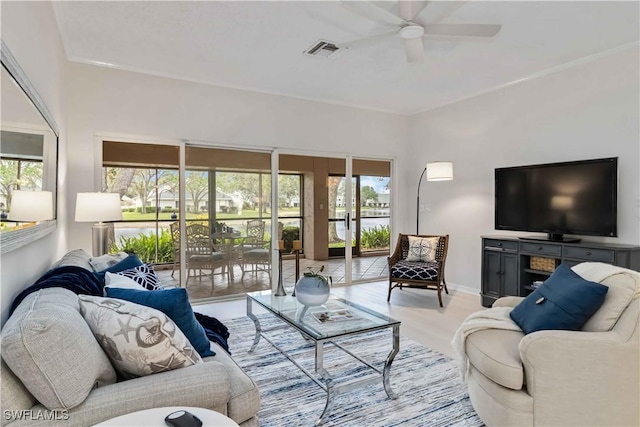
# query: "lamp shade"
(439, 171)
(98, 207)
(27, 206)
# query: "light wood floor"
(418, 310)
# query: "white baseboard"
(462, 288)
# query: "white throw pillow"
(138, 340)
(103, 262)
(422, 248)
(112, 280)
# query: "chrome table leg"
(328, 381)
(387, 363)
(256, 322)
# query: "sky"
(375, 182)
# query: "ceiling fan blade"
(466, 30)
(414, 49)
(367, 40)
(409, 9)
(371, 11)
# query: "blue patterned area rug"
(428, 383)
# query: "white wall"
(122, 102)
(582, 112)
(41, 56)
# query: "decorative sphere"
(312, 291)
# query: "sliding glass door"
(339, 219)
(146, 177)
(229, 191)
(322, 206)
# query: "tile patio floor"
(364, 269)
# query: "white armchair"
(563, 378)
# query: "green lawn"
(220, 216)
(246, 213)
(137, 216)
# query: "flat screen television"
(578, 198)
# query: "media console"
(506, 262)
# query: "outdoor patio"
(364, 269)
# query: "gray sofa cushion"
(50, 347)
(76, 257)
(244, 399)
(494, 352)
(15, 397)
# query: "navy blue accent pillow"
(128, 263)
(564, 301)
(175, 304)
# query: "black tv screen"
(559, 198)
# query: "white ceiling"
(258, 45)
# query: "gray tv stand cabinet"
(506, 262)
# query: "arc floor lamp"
(436, 171)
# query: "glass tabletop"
(332, 319)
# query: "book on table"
(337, 315)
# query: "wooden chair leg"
(440, 296)
(445, 286)
(389, 295)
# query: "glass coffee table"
(336, 318)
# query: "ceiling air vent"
(322, 49)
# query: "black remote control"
(182, 419)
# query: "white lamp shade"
(439, 171)
(98, 207)
(27, 206)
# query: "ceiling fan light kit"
(411, 31)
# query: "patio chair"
(255, 252)
(175, 242)
(201, 254)
(420, 265)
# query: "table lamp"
(31, 206)
(98, 207)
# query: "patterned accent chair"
(418, 274)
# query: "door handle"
(348, 221)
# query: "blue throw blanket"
(83, 282)
(216, 331)
(76, 279)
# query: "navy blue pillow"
(128, 263)
(564, 301)
(175, 304)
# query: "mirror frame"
(12, 240)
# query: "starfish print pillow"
(138, 340)
(422, 248)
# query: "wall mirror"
(28, 152)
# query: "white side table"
(155, 418)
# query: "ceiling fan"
(409, 28)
